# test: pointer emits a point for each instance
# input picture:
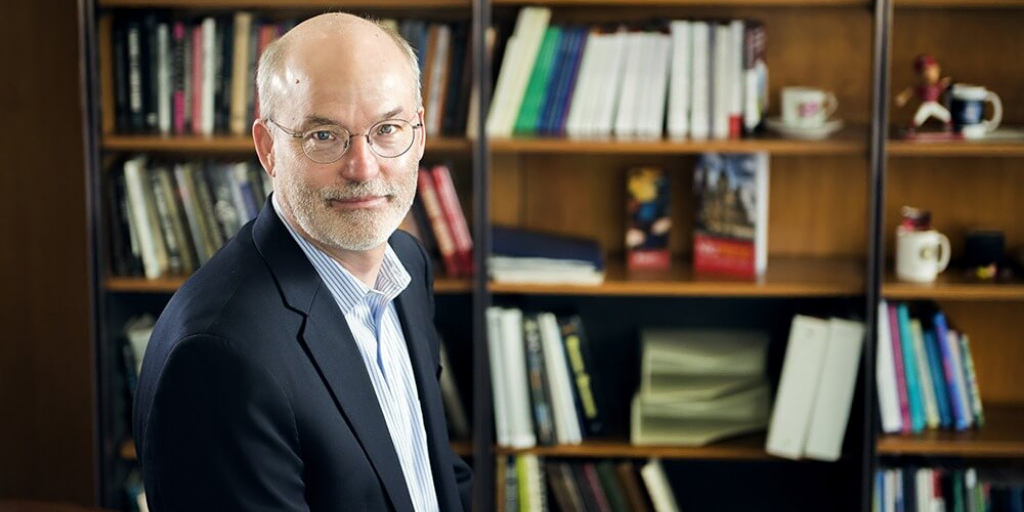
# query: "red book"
(197, 79)
(431, 203)
(178, 93)
(901, 383)
(455, 218)
(730, 234)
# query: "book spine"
(581, 363)
(901, 382)
(539, 393)
(178, 78)
(197, 79)
(914, 395)
(445, 242)
(949, 366)
(971, 378)
(456, 219)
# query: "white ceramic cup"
(920, 255)
(807, 107)
(968, 104)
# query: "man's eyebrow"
(390, 114)
(316, 120)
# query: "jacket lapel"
(412, 306)
(332, 348)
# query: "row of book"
(816, 386)
(524, 482)
(962, 489)
(197, 75)
(542, 378)
(168, 219)
(698, 79)
(925, 371)
(439, 222)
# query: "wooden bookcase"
(832, 211)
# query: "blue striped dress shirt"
(373, 320)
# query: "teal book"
(537, 87)
(914, 395)
(931, 345)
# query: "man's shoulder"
(407, 248)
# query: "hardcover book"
(731, 218)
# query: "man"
(297, 370)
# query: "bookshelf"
(127, 449)
(833, 205)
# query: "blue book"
(568, 89)
(961, 414)
(931, 346)
(915, 397)
(558, 71)
(524, 243)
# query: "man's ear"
(264, 142)
(423, 131)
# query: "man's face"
(357, 202)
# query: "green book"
(537, 87)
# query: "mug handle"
(831, 104)
(997, 111)
(944, 252)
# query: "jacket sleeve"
(220, 435)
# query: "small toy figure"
(929, 91)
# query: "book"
(798, 386)
(834, 397)
(731, 214)
(648, 219)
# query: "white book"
(659, 96)
(835, 390)
(163, 78)
(700, 101)
(925, 490)
(736, 29)
(523, 435)
(732, 352)
(144, 217)
(722, 80)
(240, 87)
(580, 107)
(210, 57)
(885, 375)
(629, 95)
(518, 65)
(924, 372)
(798, 385)
(761, 230)
(502, 420)
(891, 481)
(567, 421)
(744, 405)
(658, 487)
(612, 81)
(678, 115)
(499, 98)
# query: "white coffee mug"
(968, 107)
(807, 107)
(920, 255)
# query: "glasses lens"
(391, 138)
(325, 144)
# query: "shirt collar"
(347, 290)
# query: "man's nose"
(361, 163)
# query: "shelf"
(964, 4)
(462, 448)
(750, 447)
(952, 285)
(171, 285)
(851, 141)
(234, 144)
(1002, 436)
(786, 277)
(990, 148)
(682, 3)
(288, 4)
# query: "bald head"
(328, 48)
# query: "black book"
(588, 397)
(135, 75)
(150, 52)
(118, 230)
(459, 65)
(119, 42)
(222, 82)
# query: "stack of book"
(819, 374)
(176, 75)
(698, 79)
(542, 379)
(524, 256)
(957, 488)
(582, 486)
(168, 219)
(699, 386)
(925, 372)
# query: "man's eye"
(323, 136)
(387, 129)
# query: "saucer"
(775, 124)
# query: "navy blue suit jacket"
(253, 395)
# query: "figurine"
(929, 91)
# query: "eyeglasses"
(326, 143)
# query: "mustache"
(357, 190)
